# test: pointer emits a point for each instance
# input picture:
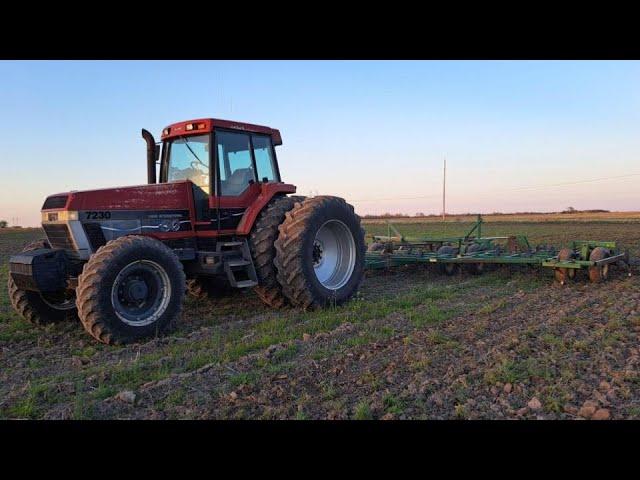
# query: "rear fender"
(267, 192)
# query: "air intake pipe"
(153, 153)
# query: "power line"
(576, 182)
(531, 187)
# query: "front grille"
(95, 235)
(21, 268)
(55, 202)
(59, 236)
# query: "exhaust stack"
(153, 153)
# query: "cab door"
(236, 183)
(244, 161)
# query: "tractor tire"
(598, 273)
(448, 268)
(132, 288)
(262, 245)
(564, 274)
(41, 308)
(475, 268)
(320, 253)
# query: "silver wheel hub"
(334, 254)
(140, 293)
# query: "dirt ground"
(413, 345)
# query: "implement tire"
(262, 245)
(41, 308)
(445, 267)
(320, 253)
(564, 274)
(475, 268)
(600, 273)
(131, 288)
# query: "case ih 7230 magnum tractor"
(120, 259)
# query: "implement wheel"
(448, 268)
(376, 247)
(475, 268)
(599, 273)
(564, 274)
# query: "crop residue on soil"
(414, 344)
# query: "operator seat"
(237, 182)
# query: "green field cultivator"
(474, 252)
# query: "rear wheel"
(262, 245)
(320, 252)
(42, 308)
(599, 273)
(564, 274)
(131, 288)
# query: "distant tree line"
(569, 210)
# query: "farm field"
(414, 344)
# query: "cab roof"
(206, 125)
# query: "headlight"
(62, 216)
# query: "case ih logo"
(53, 217)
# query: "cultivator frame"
(477, 251)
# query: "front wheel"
(320, 252)
(131, 288)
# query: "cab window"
(189, 160)
(235, 162)
(263, 152)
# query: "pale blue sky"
(373, 132)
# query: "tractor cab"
(227, 162)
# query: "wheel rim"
(141, 293)
(334, 254)
(60, 300)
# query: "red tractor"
(120, 259)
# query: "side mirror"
(156, 153)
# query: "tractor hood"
(159, 196)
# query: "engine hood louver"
(56, 201)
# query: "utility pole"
(444, 188)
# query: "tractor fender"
(267, 192)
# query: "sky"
(517, 135)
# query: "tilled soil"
(414, 345)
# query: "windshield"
(188, 159)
